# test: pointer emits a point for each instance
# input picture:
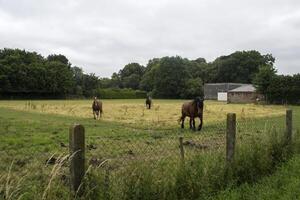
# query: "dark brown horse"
(192, 109)
(148, 102)
(97, 108)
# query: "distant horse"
(148, 102)
(97, 108)
(192, 109)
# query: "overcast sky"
(101, 36)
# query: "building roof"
(225, 84)
(244, 88)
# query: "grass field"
(165, 113)
(33, 131)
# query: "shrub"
(116, 93)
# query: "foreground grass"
(283, 184)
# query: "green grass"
(28, 138)
(283, 184)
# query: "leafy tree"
(105, 82)
(59, 58)
(193, 88)
(284, 89)
(147, 82)
(240, 66)
(59, 78)
(78, 80)
(263, 79)
(131, 75)
(116, 81)
(90, 84)
(170, 77)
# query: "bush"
(116, 93)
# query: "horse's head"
(199, 104)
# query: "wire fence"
(164, 153)
(155, 146)
(117, 157)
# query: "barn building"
(231, 92)
(243, 94)
(214, 90)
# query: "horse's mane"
(198, 99)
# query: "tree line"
(177, 77)
(28, 73)
(279, 89)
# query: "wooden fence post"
(230, 136)
(181, 148)
(289, 126)
(77, 153)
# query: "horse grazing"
(192, 109)
(97, 108)
(148, 102)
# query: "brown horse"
(192, 109)
(97, 108)
(148, 102)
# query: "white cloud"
(103, 36)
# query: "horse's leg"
(182, 121)
(191, 126)
(201, 122)
(194, 127)
(94, 114)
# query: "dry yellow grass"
(164, 112)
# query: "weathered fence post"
(289, 126)
(77, 153)
(181, 148)
(230, 136)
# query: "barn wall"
(241, 97)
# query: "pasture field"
(31, 132)
(164, 114)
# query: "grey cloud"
(103, 36)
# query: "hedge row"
(116, 93)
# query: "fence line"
(77, 148)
